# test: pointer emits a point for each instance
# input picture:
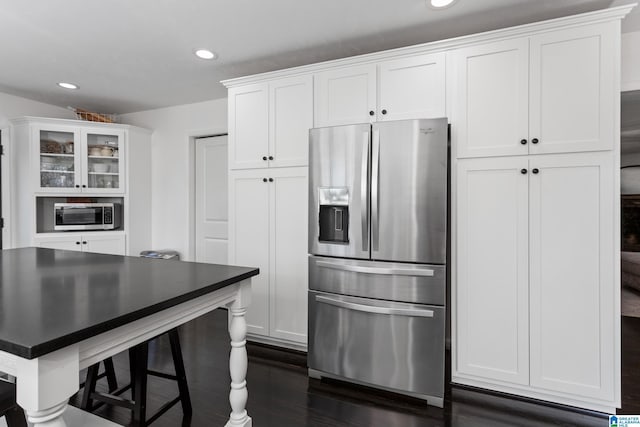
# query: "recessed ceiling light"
(205, 54)
(440, 4)
(68, 85)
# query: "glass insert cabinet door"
(103, 160)
(58, 165)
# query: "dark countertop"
(52, 298)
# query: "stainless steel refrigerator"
(377, 255)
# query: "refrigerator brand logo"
(429, 130)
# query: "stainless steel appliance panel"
(423, 284)
(409, 191)
(387, 344)
(338, 180)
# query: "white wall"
(14, 106)
(172, 166)
(630, 75)
(10, 108)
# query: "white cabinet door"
(104, 244)
(57, 165)
(572, 91)
(288, 246)
(248, 126)
(102, 153)
(290, 118)
(70, 243)
(490, 107)
(572, 274)
(412, 88)
(249, 238)
(345, 96)
(491, 298)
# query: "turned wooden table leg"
(238, 358)
(45, 384)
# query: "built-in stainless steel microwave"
(87, 216)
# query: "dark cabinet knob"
(84, 243)
(264, 157)
(523, 141)
(523, 171)
(384, 111)
(270, 179)
(534, 141)
(264, 179)
(77, 243)
(371, 113)
(270, 157)
(77, 186)
(535, 170)
(84, 186)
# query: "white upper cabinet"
(406, 88)
(412, 88)
(491, 99)
(345, 96)
(249, 126)
(572, 96)
(269, 123)
(290, 118)
(78, 159)
(548, 93)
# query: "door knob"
(77, 243)
(535, 170)
(264, 179)
(523, 171)
(523, 141)
(270, 179)
(384, 111)
(371, 113)
(264, 157)
(270, 157)
(534, 141)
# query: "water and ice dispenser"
(333, 215)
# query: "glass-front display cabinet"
(80, 160)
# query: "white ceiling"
(133, 55)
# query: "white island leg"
(238, 358)
(45, 384)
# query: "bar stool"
(139, 370)
(14, 415)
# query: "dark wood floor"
(281, 394)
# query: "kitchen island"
(62, 311)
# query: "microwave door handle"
(375, 183)
(364, 193)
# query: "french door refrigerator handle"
(375, 169)
(364, 193)
(412, 312)
(390, 271)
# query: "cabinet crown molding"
(603, 15)
(71, 122)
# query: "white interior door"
(211, 200)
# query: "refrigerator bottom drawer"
(386, 344)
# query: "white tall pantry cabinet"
(536, 287)
(534, 114)
(268, 202)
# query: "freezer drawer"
(420, 284)
(395, 346)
